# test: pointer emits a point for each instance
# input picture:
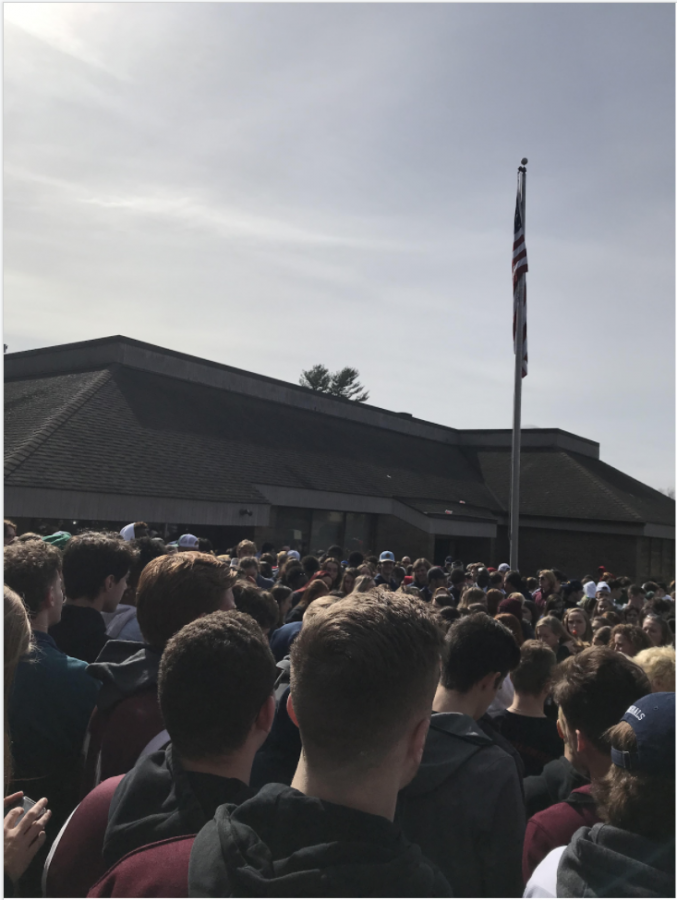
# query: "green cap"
(58, 539)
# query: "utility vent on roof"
(406, 415)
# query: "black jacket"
(465, 809)
(124, 668)
(81, 632)
(159, 799)
(282, 843)
(557, 780)
(604, 861)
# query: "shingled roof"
(122, 429)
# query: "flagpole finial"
(525, 161)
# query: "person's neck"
(375, 794)
(86, 603)
(40, 622)
(527, 705)
(597, 764)
(447, 700)
(235, 765)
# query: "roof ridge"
(592, 477)
(24, 450)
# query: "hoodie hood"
(452, 740)
(124, 668)
(604, 861)
(282, 843)
(159, 799)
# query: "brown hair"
(595, 688)
(89, 558)
(587, 637)
(30, 570)
(9, 524)
(639, 802)
(638, 638)
(316, 588)
(246, 545)
(535, 669)
(260, 605)
(17, 642)
(471, 595)
(336, 583)
(513, 624)
(360, 672)
(174, 590)
(215, 675)
(493, 598)
(248, 562)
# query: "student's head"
(214, 686)
(533, 675)
(437, 577)
(175, 590)
(493, 598)
(294, 576)
(549, 630)
(420, 570)
(17, 635)
(657, 630)
(602, 636)
(355, 559)
(33, 571)
(317, 588)
(636, 595)
(96, 565)
(17, 642)
(470, 596)
(10, 532)
(659, 665)
(547, 581)
(638, 792)
(333, 567)
(593, 689)
(246, 548)
(363, 676)
(249, 567)
(363, 583)
(310, 565)
(457, 578)
(386, 563)
(348, 581)
(577, 623)
(629, 639)
(513, 624)
(260, 605)
(478, 653)
(282, 596)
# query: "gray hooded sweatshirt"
(465, 809)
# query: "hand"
(23, 840)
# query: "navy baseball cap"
(653, 720)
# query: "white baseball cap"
(603, 586)
(128, 532)
(189, 540)
(504, 567)
(293, 554)
(590, 589)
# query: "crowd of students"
(197, 723)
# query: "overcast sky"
(272, 186)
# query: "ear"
(418, 739)
(291, 712)
(264, 720)
(583, 744)
(109, 582)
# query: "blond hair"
(18, 641)
(659, 665)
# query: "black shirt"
(80, 633)
(535, 739)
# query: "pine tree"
(342, 383)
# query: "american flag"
(520, 267)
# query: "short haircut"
(659, 665)
(360, 671)
(437, 573)
(639, 802)
(249, 546)
(457, 576)
(472, 595)
(260, 605)
(30, 569)
(493, 598)
(602, 635)
(146, 549)
(475, 646)
(594, 690)
(177, 589)
(249, 562)
(89, 558)
(638, 638)
(29, 536)
(535, 669)
(215, 675)
(636, 590)
(355, 559)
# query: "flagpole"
(517, 406)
